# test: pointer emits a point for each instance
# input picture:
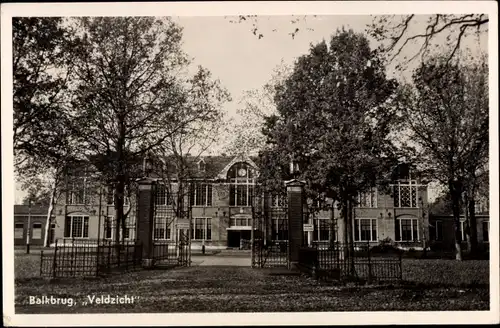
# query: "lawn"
(430, 285)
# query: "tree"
(44, 181)
(398, 33)
(40, 70)
(37, 195)
(477, 158)
(441, 205)
(333, 122)
(132, 93)
(447, 119)
(42, 143)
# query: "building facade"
(222, 211)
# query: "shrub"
(385, 246)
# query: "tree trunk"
(48, 223)
(120, 187)
(350, 212)
(332, 226)
(467, 223)
(455, 192)
(425, 226)
(345, 215)
(348, 234)
(473, 227)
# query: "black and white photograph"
(250, 163)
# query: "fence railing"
(87, 258)
(169, 253)
(273, 253)
(358, 262)
(72, 258)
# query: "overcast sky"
(243, 62)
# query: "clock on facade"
(242, 172)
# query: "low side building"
(441, 229)
(33, 218)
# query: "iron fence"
(170, 253)
(274, 253)
(72, 258)
(92, 258)
(355, 262)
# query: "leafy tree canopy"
(334, 118)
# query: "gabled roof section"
(237, 159)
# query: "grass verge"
(430, 285)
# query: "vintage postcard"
(250, 163)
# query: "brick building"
(33, 218)
(441, 228)
(220, 200)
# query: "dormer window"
(201, 165)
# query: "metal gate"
(172, 224)
(270, 224)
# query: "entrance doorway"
(234, 237)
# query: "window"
(80, 192)
(477, 207)
(486, 231)
(202, 229)
(277, 200)
(19, 231)
(407, 229)
(201, 165)
(368, 198)
(405, 195)
(439, 230)
(481, 206)
(162, 196)
(162, 228)
(241, 222)
(110, 228)
(241, 185)
(463, 231)
(280, 228)
(322, 229)
(365, 229)
(76, 227)
(209, 229)
(37, 231)
(201, 194)
(110, 197)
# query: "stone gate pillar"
(145, 212)
(295, 194)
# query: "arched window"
(201, 165)
(241, 184)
